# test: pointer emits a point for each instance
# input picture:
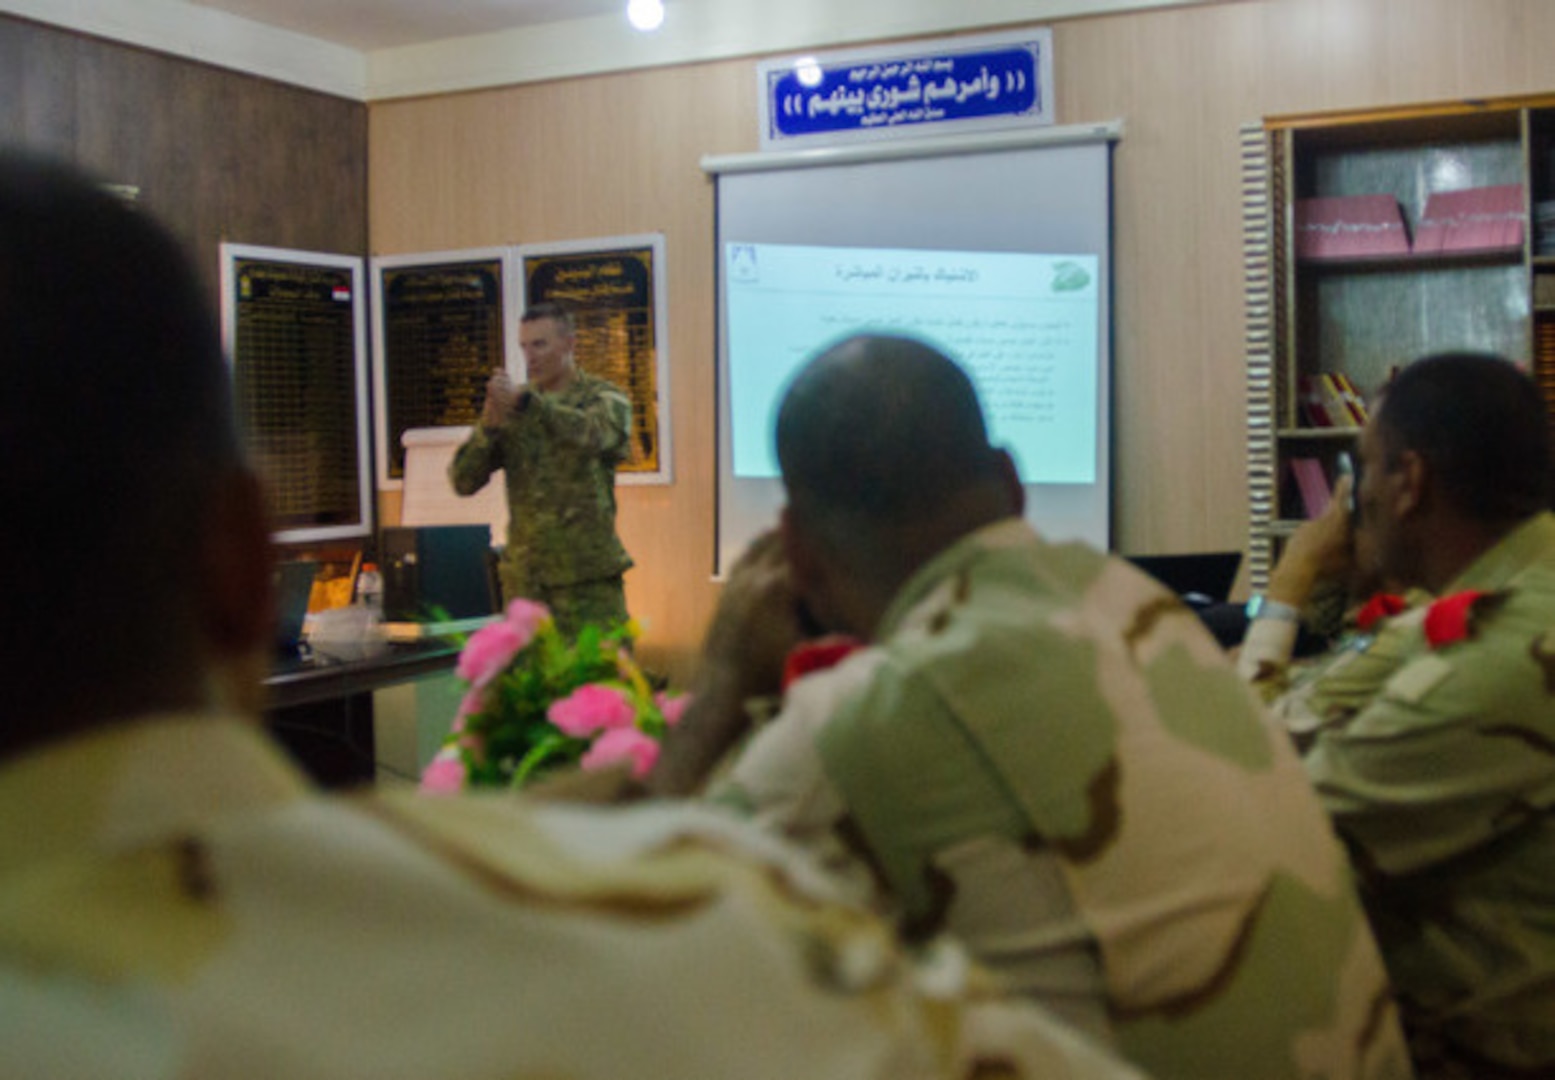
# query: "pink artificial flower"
(473, 702)
(623, 744)
(488, 651)
(473, 741)
(526, 616)
(671, 708)
(444, 775)
(591, 709)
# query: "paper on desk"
(418, 631)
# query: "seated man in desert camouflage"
(1038, 750)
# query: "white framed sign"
(294, 326)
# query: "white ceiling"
(368, 25)
(378, 49)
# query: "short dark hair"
(115, 420)
(881, 430)
(549, 309)
(1482, 426)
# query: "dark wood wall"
(217, 155)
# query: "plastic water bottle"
(369, 589)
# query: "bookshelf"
(1334, 287)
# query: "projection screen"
(995, 248)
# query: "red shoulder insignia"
(1379, 607)
(1452, 618)
(817, 655)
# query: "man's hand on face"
(757, 623)
(1322, 549)
(753, 631)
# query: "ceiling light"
(645, 14)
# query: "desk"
(322, 710)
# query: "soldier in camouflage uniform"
(1040, 751)
(557, 440)
(1431, 735)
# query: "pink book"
(1312, 483)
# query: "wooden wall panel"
(618, 154)
(36, 98)
(217, 155)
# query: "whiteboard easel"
(429, 497)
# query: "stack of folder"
(1473, 219)
(1350, 227)
(1480, 219)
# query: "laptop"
(1201, 578)
(293, 587)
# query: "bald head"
(883, 427)
(885, 455)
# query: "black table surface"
(306, 678)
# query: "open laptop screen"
(293, 587)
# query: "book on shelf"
(1472, 219)
(1544, 226)
(1350, 227)
(1329, 400)
(1312, 483)
(1544, 359)
(1337, 402)
(1354, 402)
(1314, 410)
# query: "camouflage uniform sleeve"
(1378, 766)
(1306, 695)
(779, 781)
(1264, 657)
(600, 422)
(475, 461)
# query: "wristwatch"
(1261, 607)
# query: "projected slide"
(1023, 326)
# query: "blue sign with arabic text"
(990, 85)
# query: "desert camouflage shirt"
(1432, 744)
(176, 902)
(1047, 756)
(558, 454)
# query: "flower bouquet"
(537, 702)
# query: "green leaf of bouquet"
(552, 746)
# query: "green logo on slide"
(1070, 277)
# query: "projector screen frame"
(732, 533)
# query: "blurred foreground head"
(134, 565)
